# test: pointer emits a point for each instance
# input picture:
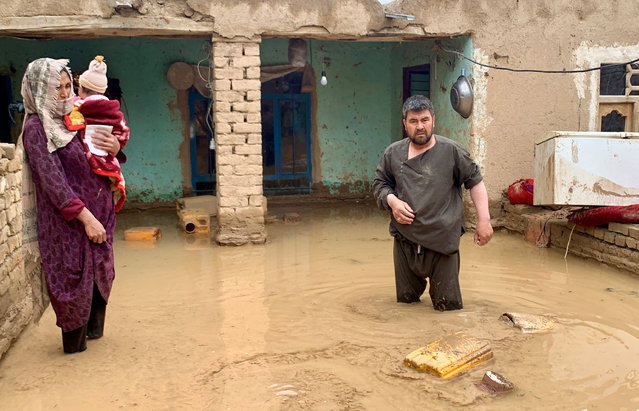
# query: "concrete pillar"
(238, 140)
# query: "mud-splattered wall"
(358, 112)
(356, 115)
(153, 170)
(352, 112)
(511, 109)
(444, 70)
(351, 120)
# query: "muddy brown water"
(309, 321)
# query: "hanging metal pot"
(461, 96)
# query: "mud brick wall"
(623, 235)
(16, 299)
(600, 243)
(614, 244)
(238, 141)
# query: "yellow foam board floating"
(449, 355)
(142, 234)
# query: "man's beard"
(420, 140)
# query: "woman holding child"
(75, 207)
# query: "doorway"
(201, 149)
(286, 136)
(415, 80)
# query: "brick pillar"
(238, 140)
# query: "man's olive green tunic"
(431, 184)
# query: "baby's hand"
(106, 141)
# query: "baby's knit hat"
(95, 77)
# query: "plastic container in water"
(195, 221)
(142, 234)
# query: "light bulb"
(323, 81)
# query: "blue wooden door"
(286, 143)
(202, 154)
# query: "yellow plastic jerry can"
(195, 220)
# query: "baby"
(93, 107)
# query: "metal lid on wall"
(461, 96)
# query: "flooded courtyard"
(309, 321)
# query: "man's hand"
(402, 212)
(483, 232)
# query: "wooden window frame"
(406, 72)
(406, 79)
(627, 105)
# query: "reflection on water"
(309, 321)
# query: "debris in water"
(195, 221)
(528, 323)
(449, 355)
(142, 234)
(291, 218)
(284, 387)
(287, 393)
(494, 383)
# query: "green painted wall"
(449, 122)
(153, 171)
(352, 117)
(357, 115)
(275, 51)
(353, 109)
(359, 110)
(445, 69)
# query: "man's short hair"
(417, 103)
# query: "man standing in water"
(419, 179)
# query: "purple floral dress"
(72, 263)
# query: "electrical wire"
(208, 84)
(537, 70)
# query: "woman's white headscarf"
(40, 96)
